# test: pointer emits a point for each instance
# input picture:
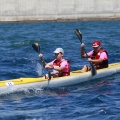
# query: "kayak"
(75, 77)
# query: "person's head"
(96, 45)
(59, 52)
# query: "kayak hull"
(76, 77)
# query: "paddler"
(60, 66)
(98, 56)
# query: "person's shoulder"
(64, 61)
(52, 61)
(103, 53)
(90, 53)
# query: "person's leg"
(53, 75)
(85, 68)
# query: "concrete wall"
(29, 10)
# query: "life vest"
(65, 71)
(96, 56)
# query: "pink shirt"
(103, 55)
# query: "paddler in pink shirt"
(98, 56)
(60, 66)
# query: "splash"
(39, 69)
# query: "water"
(92, 100)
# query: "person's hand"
(89, 60)
(82, 45)
(49, 66)
(40, 55)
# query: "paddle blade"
(36, 47)
(79, 34)
(93, 69)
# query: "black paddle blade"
(93, 69)
(36, 47)
(79, 34)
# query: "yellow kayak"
(75, 77)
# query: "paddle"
(36, 47)
(79, 35)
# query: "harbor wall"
(58, 10)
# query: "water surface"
(91, 100)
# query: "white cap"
(58, 50)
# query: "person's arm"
(62, 66)
(83, 55)
(58, 68)
(51, 66)
(95, 61)
(103, 56)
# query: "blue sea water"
(91, 100)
